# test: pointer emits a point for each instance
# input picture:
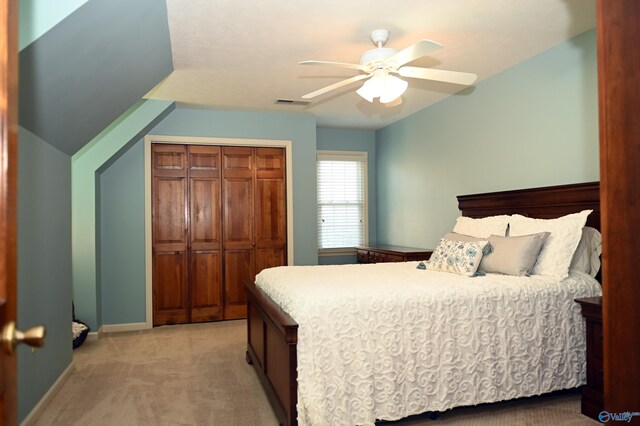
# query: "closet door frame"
(190, 140)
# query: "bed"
(492, 352)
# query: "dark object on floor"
(80, 331)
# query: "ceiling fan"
(377, 65)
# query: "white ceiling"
(243, 54)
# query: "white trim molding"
(118, 328)
(94, 335)
(47, 397)
(191, 140)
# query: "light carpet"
(196, 374)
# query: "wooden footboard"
(272, 336)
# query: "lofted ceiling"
(244, 54)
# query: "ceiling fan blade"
(332, 64)
(454, 77)
(415, 51)
(336, 86)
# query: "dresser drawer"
(378, 257)
(395, 258)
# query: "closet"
(219, 217)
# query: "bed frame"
(272, 335)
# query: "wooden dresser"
(379, 253)
(592, 393)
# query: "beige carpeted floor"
(197, 375)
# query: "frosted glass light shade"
(393, 89)
(386, 87)
(371, 88)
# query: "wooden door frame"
(195, 140)
(8, 197)
(618, 35)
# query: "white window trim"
(349, 156)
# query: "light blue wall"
(87, 164)
(299, 128)
(44, 264)
(122, 260)
(352, 140)
(90, 68)
(39, 16)
(122, 198)
(534, 124)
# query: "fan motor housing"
(377, 55)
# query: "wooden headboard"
(543, 203)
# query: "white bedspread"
(385, 341)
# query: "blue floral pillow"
(458, 257)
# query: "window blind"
(341, 200)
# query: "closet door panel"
(169, 239)
(238, 266)
(205, 277)
(205, 271)
(237, 225)
(205, 213)
(270, 208)
(270, 163)
(170, 292)
(169, 224)
(238, 208)
(270, 219)
(269, 258)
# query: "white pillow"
(483, 227)
(587, 255)
(557, 251)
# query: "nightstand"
(381, 253)
(592, 393)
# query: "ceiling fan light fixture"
(371, 88)
(384, 86)
(393, 89)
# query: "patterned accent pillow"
(458, 257)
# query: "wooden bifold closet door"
(219, 217)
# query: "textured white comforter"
(385, 341)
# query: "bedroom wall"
(122, 199)
(39, 16)
(87, 164)
(44, 265)
(299, 128)
(352, 140)
(121, 259)
(534, 124)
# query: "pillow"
(458, 257)
(454, 236)
(513, 255)
(587, 255)
(557, 250)
(483, 227)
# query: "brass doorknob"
(11, 337)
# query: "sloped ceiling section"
(88, 70)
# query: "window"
(342, 201)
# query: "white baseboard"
(44, 401)
(94, 335)
(133, 326)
